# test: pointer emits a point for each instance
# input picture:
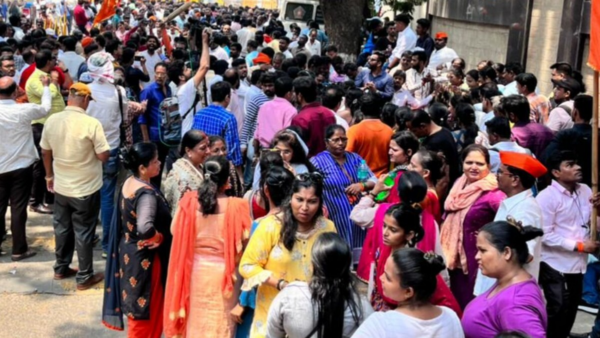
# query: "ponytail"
(412, 190)
(216, 176)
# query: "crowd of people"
(249, 182)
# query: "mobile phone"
(138, 58)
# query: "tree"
(343, 22)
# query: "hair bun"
(435, 262)
(126, 158)
(530, 232)
(211, 169)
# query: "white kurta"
(522, 207)
(440, 57)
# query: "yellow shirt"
(266, 256)
(74, 139)
(34, 90)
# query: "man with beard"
(418, 79)
(301, 47)
(442, 56)
(374, 79)
(180, 73)
(151, 56)
(7, 66)
(387, 43)
(284, 43)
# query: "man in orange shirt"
(371, 137)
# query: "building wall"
(543, 40)
(473, 42)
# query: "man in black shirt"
(386, 44)
(424, 41)
(133, 75)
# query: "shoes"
(587, 307)
(95, 279)
(69, 273)
(41, 209)
(28, 254)
(104, 254)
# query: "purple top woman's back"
(519, 307)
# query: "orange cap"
(86, 41)
(524, 162)
(152, 18)
(81, 89)
(441, 35)
(261, 58)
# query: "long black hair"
(279, 182)
(333, 286)
(431, 161)
(140, 154)
(289, 223)
(216, 176)
(412, 189)
(502, 234)
(465, 116)
(418, 270)
(292, 140)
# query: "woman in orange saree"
(209, 234)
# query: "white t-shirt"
(186, 95)
(105, 108)
(151, 61)
(394, 324)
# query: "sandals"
(28, 254)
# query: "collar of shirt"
(564, 190)
(74, 109)
(511, 202)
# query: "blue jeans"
(590, 283)
(110, 172)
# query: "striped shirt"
(216, 121)
(336, 179)
(251, 115)
(540, 108)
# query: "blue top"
(336, 179)
(383, 82)
(251, 57)
(214, 120)
(152, 117)
(369, 45)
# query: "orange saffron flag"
(594, 57)
(108, 9)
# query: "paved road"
(33, 305)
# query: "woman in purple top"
(515, 302)
(471, 204)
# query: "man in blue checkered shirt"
(216, 120)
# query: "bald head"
(7, 87)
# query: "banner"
(108, 9)
(594, 57)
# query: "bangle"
(281, 281)
(374, 196)
(580, 246)
(363, 185)
(49, 178)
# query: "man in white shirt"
(15, 22)
(516, 177)
(244, 35)
(418, 79)
(17, 155)
(107, 107)
(70, 58)
(566, 214)
(564, 93)
(313, 45)
(284, 43)
(442, 56)
(511, 70)
(215, 47)
(498, 133)
(407, 39)
(152, 57)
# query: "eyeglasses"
(502, 172)
(338, 140)
(315, 177)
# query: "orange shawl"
(459, 201)
(177, 292)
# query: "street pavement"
(34, 305)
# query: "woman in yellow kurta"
(280, 249)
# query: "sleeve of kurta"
(146, 214)
(526, 308)
(275, 318)
(256, 256)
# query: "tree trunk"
(343, 22)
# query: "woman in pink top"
(515, 302)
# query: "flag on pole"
(594, 57)
(108, 9)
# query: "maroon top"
(313, 119)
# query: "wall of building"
(473, 42)
(543, 41)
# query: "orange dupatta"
(177, 291)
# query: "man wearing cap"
(442, 56)
(564, 93)
(74, 148)
(566, 215)
(516, 176)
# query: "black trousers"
(39, 190)
(563, 293)
(75, 221)
(15, 187)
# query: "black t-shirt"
(444, 142)
(383, 43)
(133, 76)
